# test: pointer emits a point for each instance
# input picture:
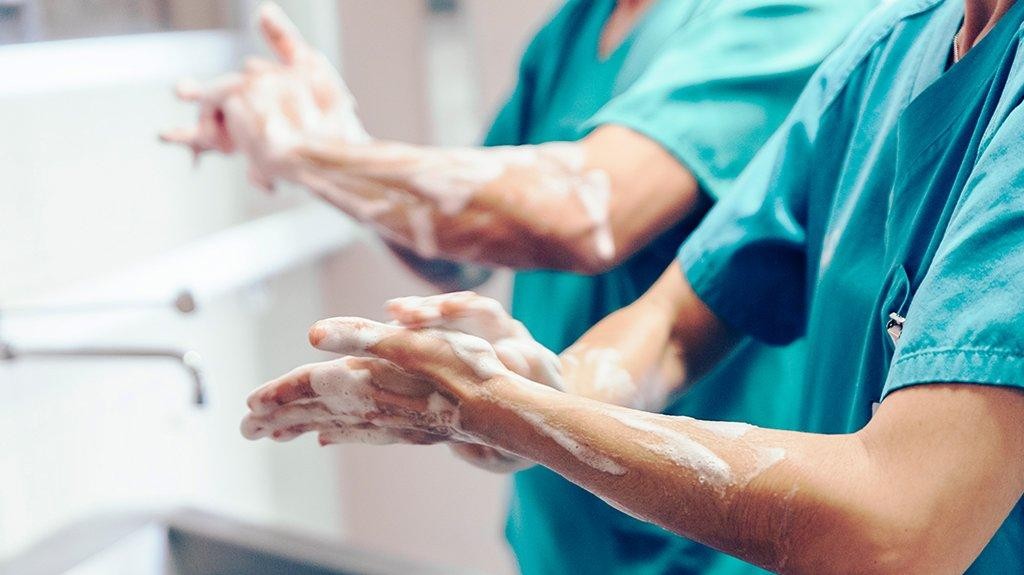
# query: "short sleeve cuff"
(969, 366)
(714, 289)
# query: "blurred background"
(107, 238)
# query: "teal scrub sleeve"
(749, 259)
(965, 323)
(724, 82)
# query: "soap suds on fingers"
(296, 121)
(344, 392)
(485, 318)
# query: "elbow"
(894, 550)
(591, 254)
(592, 264)
(884, 545)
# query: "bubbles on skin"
(344, 396)
(511, 341)
(276, 112)
(529, 357)
(485, 318)
(686, 451)
(767, 457)
(681, 449)
(476, 353)
(583, 453)
(374, 436)
(764, 457)
(601, 369)
(726, 429)
(446, 180)
(357, 337)
(344, 390)
(594, 192)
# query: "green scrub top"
(913, 207)
(710, 81)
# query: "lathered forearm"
(628, 359)
(781, 500)
(911, 492)
(650, 351)
(523, 206)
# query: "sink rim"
(81, 540)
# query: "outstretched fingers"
(348, 391)
(280, 33)
(446, 359)
(290, 387)
(373, 435)
(210, 133)
(184, 136)
(340, 433)
(463, 311)
(351, 383)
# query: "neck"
(980, 16)
(631, 4)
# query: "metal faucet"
(184, 303)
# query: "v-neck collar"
(940, 95)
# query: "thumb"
(430, 353)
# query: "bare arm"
(646, 353)
(583, 206)
(920, 489)
(639, 356)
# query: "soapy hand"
(295, 120)
(272, 107)
(395, 385)
(483, 317)
(349, 400)
(470, 313)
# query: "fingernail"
(317, 334)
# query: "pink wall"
(418, 502)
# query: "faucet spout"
(184, 302)
(190, 360)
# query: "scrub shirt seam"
(891, 388)
(831, 97)
(964, 350)
(999, 371)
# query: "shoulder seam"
(870, 39)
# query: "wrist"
(490, 412)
